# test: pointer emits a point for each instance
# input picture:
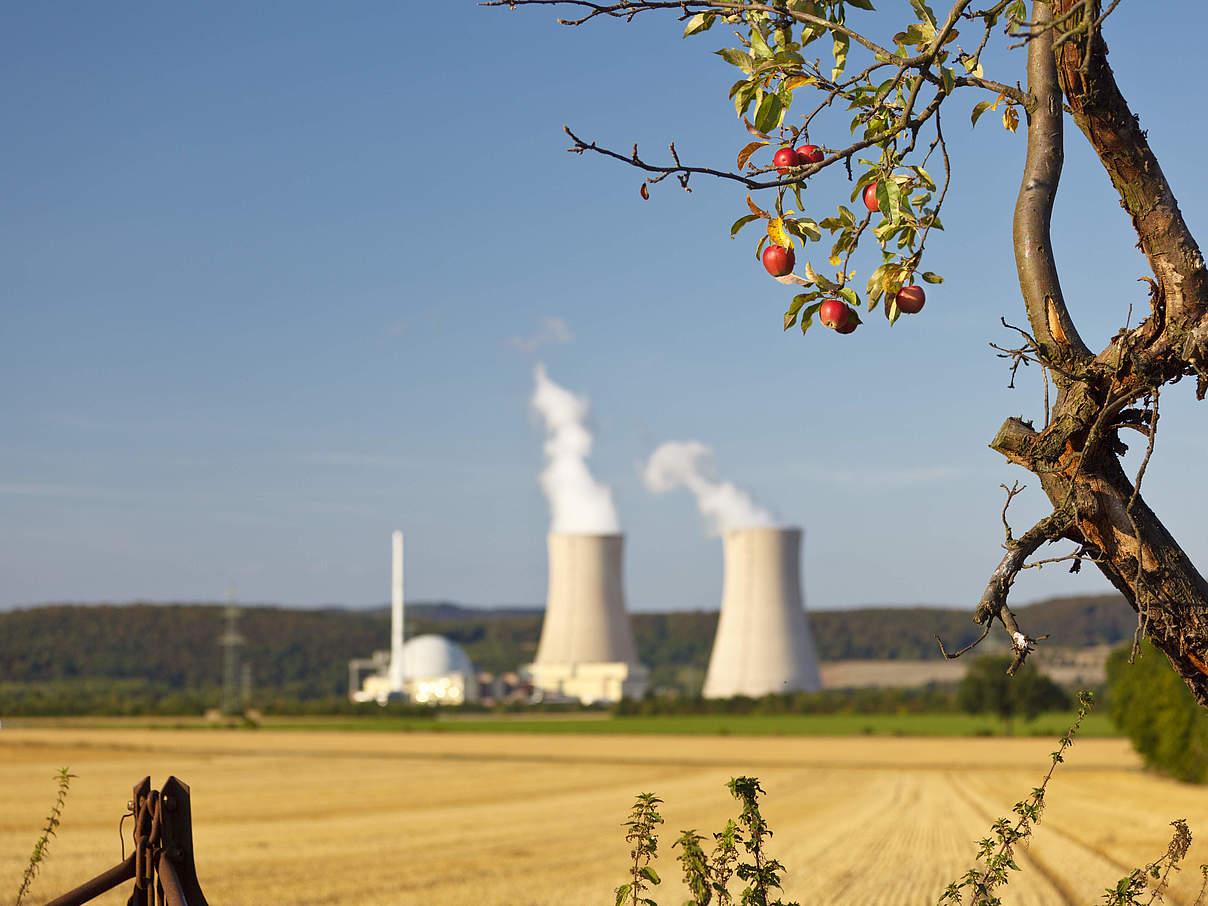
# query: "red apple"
(847, 327)
(870, 197)
(784, 159)
(809, 154)
(778, 260)
(910, 299)
(835, 315)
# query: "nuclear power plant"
(428, 669)
(763, 643)
(586, 650)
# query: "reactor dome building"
(428, 669)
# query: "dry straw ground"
(394, 819)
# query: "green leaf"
(795, 306)
(849, 296)
(759, 47)
(929, 277)
(980, 109)
(622, 893)
(889, 200)
(841, 46)
(923, 11)
(806, 228)
(915, 35)
(650, 875)
(949, 78)
(737, 58)
(743, 97)
(769, 114)
(700, 22)
(825, 284)
(875, 288)
(1017, 13)
(807, 316)
(742, 222)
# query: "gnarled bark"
(1075, 455)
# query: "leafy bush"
(987, 688)
(1157, 712)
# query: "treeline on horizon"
(166, 658)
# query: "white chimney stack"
(396, 616)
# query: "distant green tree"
(1158, 713)
(987, 688)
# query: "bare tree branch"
(1051, 323)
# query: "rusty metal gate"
(161, 864)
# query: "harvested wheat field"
(392, 819)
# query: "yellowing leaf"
(797, 82)
(756, 209)
(998, 100)
(1010, 119)
(810, 276)
(755, 132)
(745, 154)
(778, 234)
(834, 260)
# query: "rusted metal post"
(161, 865)
(177, 825)
(103, 882)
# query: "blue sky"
(273, 279)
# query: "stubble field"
(509, 819)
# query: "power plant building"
(763, 643)
(436, 672)
(428, 669)
(586, 651)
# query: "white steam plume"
(578, 503)
(690, 464)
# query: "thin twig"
(1139, 582)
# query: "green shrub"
(987, 688)
(1154, 708)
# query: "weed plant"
(42, 846)
(708, 877)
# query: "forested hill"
(305, 653)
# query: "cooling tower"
(585, 619)
(586, 649)
(763, 642)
